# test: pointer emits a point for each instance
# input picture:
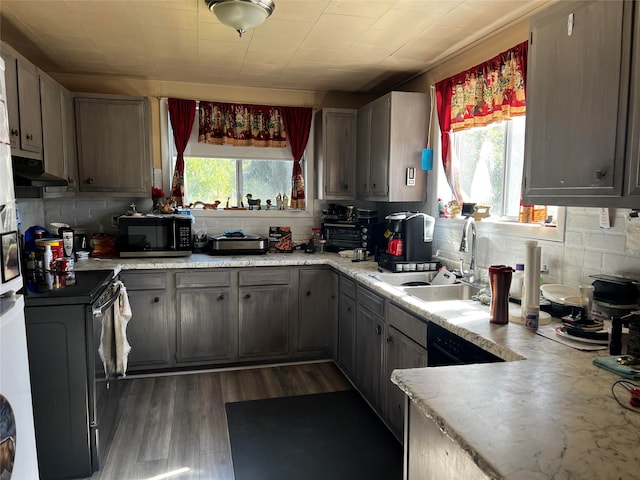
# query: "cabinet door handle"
(15, 132)
(373, 185)
(247, 296)
(308, 293)
(600, 174)
(378, 330)
(389, 339)
(89, 181)
(220, 297)
(346, 186)
(348, 309)
(29, 136)
(156, 299)
(70, 180)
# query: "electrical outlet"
(114, 220)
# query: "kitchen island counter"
(546, 412)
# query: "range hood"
(28, 172)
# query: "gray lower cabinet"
(369, 345)
(317, 310)
(346, 351)
(405, 342)
(150, 331)
(205, 317)
(429, 454)
(264, 312)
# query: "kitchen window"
(491, 161)
(211, 179)
(220, 172)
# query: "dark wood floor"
(178, 423)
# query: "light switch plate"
(411, 177)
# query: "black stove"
(80, 288)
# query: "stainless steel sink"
(439, 293)
(405, 278)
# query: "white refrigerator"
(18, 459)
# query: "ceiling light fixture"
(242, 14)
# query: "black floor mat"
(324, 436)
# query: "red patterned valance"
(490, 92)
(241, 125)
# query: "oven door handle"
(99, 310)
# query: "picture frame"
(10, 255)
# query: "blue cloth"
(611, 364)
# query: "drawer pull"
(89, 181)
(308, 293)
(14, 132)
(220, 297)
(247, 296)
(29, 136)
(378, 330)
(156, 299)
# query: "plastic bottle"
(516, 282)
(47, 257)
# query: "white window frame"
(495, 225)
(163, 177)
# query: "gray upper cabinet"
(335, 153)
(633, 130)
(23, 104)
(577, 97)
(58, 134)
(392, 132)
(113, 141)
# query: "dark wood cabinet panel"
(400, 352)
(577, 97)
(264, 320)
(205, 325)
(335, 150)
(113, 142)
(148, 331)
(317, 310)
(369, 351)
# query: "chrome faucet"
(470, 223)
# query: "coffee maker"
(409, 236)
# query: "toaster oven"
(346, 236)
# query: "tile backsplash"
(586, 250)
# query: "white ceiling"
(316, 45)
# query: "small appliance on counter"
(614, 296)
(409, 236)
(154, 236)
(237, 242)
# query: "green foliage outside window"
(211, 179)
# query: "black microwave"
(154, 236)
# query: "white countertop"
(546, 412)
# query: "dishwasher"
(446, 348)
